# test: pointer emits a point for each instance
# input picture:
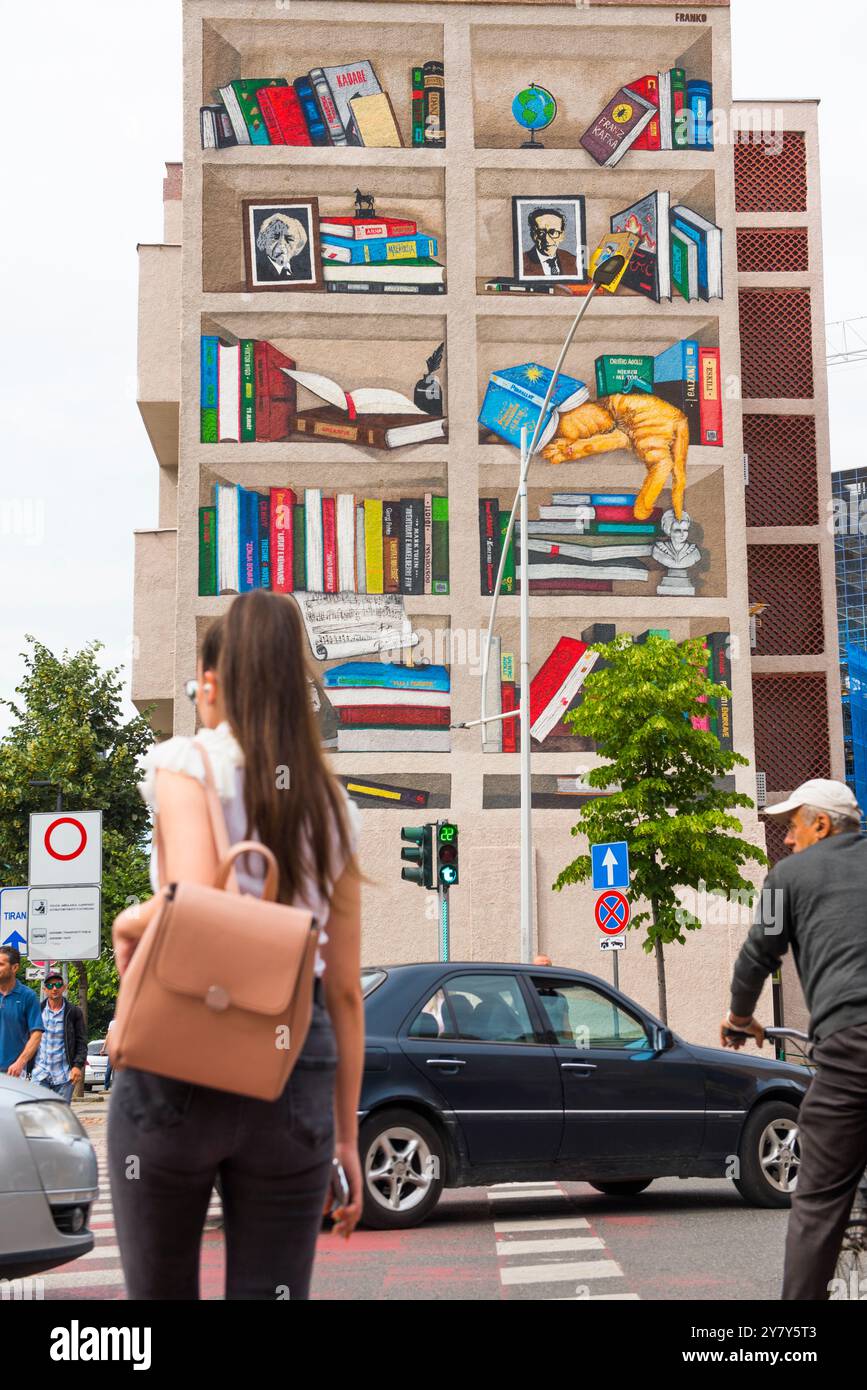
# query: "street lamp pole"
(606, 272)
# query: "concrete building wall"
(575, 49)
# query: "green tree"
(67, 728)
(665, 800)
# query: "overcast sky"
(97, 116)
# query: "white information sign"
(63, 922)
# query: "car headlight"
(47, 1119)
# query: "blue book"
(209, 345)
(248, 539)
(310, 110)
(514, 399)
(612, 499)
(378, 250)
(388, 675)
(675, 379)
(700, 239)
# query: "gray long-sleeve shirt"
(815, 902)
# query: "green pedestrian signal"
(419, 854)
(447, 854)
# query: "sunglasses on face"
(55, 986)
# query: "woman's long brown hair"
(292, 800)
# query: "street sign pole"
(443, 899)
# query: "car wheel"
(627, 1188)
(403, 1169)
(770, 1155)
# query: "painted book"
(617, 127)
(284, 118)
(675, 379)
(390, 675)
(366, 229)
(620, 374)
(710, 408)
(433, 76)
(207, 550)
(248, 391)
(648, 87)
(514, 399)
(556, 683)
(684, 264)
(440, 545)
(346, 81)
(327, 109)
(316, 127)
(275, 393)
(649, 271)
(377, 250)
(229, 392)
(708, 238)
(241, 100)
(417, 105)
(208, 388)
(489, 540)
(365, 792)
(283, 499)
(374, 122)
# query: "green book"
(209, 424)
(439, 545)
(684, 265)
(679, 119)
(507, 584)
(619, 528)
(207, 550)
(417, 106)
(642, 637)
(241, 97)
(248, 391)
(299, 556)
(616, 374)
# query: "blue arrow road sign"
(610, 865)
(13, 918)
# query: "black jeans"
(169, 1140)
(833, 1135)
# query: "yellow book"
(373, 544)
(375, 121)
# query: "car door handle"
(578, 1066)
(445, 1062)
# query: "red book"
(604, 513)
(509, 699)
(416, 716)
(552, 674)
(275, 392)
(329, 544)
(571, 586)
(710, 397)
(367, 228)
(283, 116)
(647, 87)
(282, 501)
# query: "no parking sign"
(612, 913)
(65, 848)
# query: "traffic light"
(447, 854)
(419, 854)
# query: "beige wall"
(466, 189)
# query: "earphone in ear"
(207, 687)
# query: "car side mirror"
(663, 1039)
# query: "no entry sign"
(612, 913)
(65, 847)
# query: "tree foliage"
(662, 775)
(67, 728)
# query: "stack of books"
(339, 105)
(580, 543)
(660, 111)
(687, 375)
(677, 248)
(328, 544)
(390, 708)
(379, 255)
(249, 393)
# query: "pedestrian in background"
(62, 1054)
(21, 1022)
(814, 901)
(273, 1158)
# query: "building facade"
(754, 522)
(849, 486)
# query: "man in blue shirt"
(21, 1024)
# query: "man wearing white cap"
(816, 902)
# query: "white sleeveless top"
(227, 761)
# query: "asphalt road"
(676, 1241)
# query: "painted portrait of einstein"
(282, 246)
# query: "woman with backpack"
(169, 1140)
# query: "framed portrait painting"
(549, 239)
(281, 244)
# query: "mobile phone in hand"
(339, 1185)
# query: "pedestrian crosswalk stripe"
(498, 1186)
(549, 1273)
(506, 1248)
(537, 1195)
(540, 1223)
(585, 1298)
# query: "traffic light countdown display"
(447, 854)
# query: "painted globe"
(534, 108)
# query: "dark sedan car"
(481, 1073)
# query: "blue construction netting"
(856, 658)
